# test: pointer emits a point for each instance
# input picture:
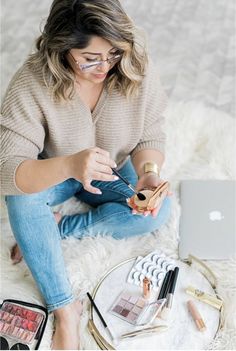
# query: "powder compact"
(153, 198)
(21, 327)
(135, 309)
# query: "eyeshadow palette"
(135, 309)
(18, 323)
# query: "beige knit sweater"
(33, 125)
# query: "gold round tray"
(114, 281)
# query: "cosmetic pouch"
(154, 198)
(22, 325)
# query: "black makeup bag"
(22, 325)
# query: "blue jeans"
(39, 237)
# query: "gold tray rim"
(105, 345)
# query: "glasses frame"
(93, 65)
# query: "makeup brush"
(101, 317)
(140, 195)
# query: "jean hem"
(52, 307)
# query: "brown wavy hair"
(71, 24)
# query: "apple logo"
(215, 216)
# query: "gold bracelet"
(151, 167)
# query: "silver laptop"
(208, 219)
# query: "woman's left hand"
(148, 180)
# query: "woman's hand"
(91, 164)
(148, 180)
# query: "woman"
(85, 102)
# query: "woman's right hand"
(91, 164)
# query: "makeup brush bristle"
(141, 196)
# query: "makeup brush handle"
(120, 176)
(124, 180)
(132, 188)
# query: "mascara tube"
(170, 295)
(165, 285)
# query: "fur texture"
(200, 145)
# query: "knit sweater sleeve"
(153, 136)
(22, 128)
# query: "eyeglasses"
(85, 67)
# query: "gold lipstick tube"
(204, 297)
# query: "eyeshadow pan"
(30, 337)
(5, 327)
(18, 311)
(9, 318)
(122, 302)
(129, 306)
(15, 331)
(32, 326)
(31, 315)
(17, 321)
(5, 316)
(20, 333)
(38, 318)
(125, 296)
(136, 309)
(125, 312)
(133, 316)
(24, 323)
(140, 303)
(1, 325)
(133, 299)
(117, 309)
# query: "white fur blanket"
(201, 145)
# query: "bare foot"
(66, 336)
(16, 254)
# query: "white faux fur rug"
(201, 145)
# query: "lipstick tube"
(146, 288)
(196, 316)
(204, 297)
